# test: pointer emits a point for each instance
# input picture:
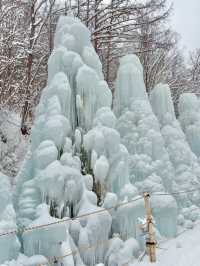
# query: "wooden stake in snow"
(150, 240)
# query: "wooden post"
(150, 240)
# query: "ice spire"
(51, 185)
(150, 167)
(189, 117)
(130, 77)
(9, 244)
(183, 159)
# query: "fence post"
(150, 240)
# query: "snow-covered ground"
(181, 251)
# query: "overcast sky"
(186, 21)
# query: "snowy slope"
(181, 251)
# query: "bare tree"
(195, 65)
(39, 13)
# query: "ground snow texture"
(181, 251)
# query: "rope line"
(26, 229)
(83, 248)
(22, 230)
(175, 193)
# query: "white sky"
(186, 21)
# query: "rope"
(175, 193)
(83, 248)
(22, 230)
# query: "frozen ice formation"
(183, 159)
(78, 193)
(130, 78)
(53, 186)
(9, 244)
(140, 133)
(189, 117)
(109, 157)
(150, 166)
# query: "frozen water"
(150, 166)
(162, 103)
(183, 159)
(130, 78)
(140, 133)
(79, 147)
(44, 241)
(9, 244)
(189, 117)
(109, 157)
(101, 168)
(50, 184)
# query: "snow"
(181, 251)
